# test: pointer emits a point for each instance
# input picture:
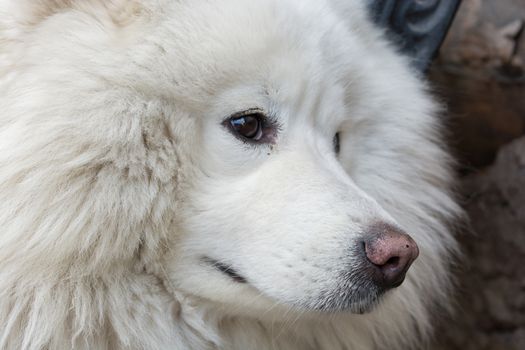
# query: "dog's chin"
(320, 308)
(363, 306)
(355, 302)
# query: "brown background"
(480, 75)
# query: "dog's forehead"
(236, 42)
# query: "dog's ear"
(354, 10)
(17, 16)
(20, 18)
(357, 16)
(20, 13)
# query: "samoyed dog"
(216, 174)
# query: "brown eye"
(248, 126)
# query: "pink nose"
(392, 252)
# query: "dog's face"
(256, 153)
(271, 213)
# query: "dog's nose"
(391, 252)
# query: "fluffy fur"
(117, 176)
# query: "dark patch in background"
(480, 74)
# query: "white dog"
(215, 174)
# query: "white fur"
(117, 177)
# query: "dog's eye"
(337, 144)
(251, 126)
(248, 126)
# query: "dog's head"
(304, 132)
(251, 153)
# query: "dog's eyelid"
(255, 110)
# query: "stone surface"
(480, 74)
(491, 276)
(485, 34)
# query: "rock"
(491, 294)
(482, 37)
(480, 73)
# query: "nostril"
(392, 262)
(390, 252)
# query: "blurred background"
(480, 75)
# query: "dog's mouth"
(355, 300)
(226, 269)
